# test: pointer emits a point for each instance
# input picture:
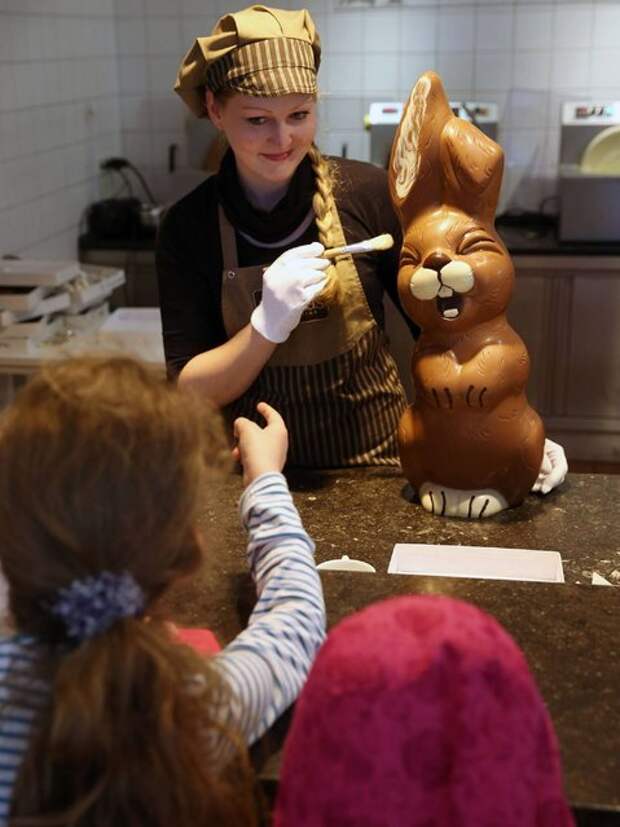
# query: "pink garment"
(421, 712)
(202, 641)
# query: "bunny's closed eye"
(475, 241)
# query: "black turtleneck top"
(189, 255)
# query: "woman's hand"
(260, 450)
(289, 286)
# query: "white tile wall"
(59, 116)
(526, 55)
(81, 80)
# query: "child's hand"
(260, 450)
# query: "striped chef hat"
(257, 51)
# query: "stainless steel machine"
(589, 176)
(383, 118)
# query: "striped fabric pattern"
(20, 699)
(360, 390)
(265, 666)
(266, 68)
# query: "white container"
(20, 299)
(477, 561)
(93, 285)
(6, 318)
(24, 272)
(345, 563)
(87, 321)
(37, 330)
(51, 304)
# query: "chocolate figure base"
(487, 464)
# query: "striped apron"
(333, 381)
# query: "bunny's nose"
(436, 260)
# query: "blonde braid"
(324, 207)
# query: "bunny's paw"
(452, 502)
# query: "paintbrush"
(371, 245)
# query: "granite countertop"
(569, 632)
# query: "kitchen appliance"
(589, 175)
(383, 119)
(128, 218)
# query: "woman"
(327, 369)
(421, 711)
(243, 333)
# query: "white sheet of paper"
(477, 561)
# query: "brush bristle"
(382, 242)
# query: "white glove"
(289, 286)
(553, 468)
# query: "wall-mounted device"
(589, 180)
(127, 218)
(383, 119)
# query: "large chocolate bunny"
(470, 444)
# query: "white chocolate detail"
(469, 505)
(406, 160)
(458, 275)
(425, 284)
(455, 277)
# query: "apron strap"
(228, 241)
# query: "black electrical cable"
(470, 113)
(118, 164)
(127, 181)
(546, 201)
(140, 177)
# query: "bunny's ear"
(472, 166)
(414, 173)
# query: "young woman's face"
(269, 136)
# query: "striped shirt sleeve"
(21, 696)
(267, 664)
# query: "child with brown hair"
(105, 718)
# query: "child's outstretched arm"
(267, 664)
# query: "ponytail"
(324, 206)
(132, 736)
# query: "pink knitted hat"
(421, 712)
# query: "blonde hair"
(324, 205)
(104, 466)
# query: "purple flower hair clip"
(89, 606)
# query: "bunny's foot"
(452, 502)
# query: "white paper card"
(599, 580)
(477, 561)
